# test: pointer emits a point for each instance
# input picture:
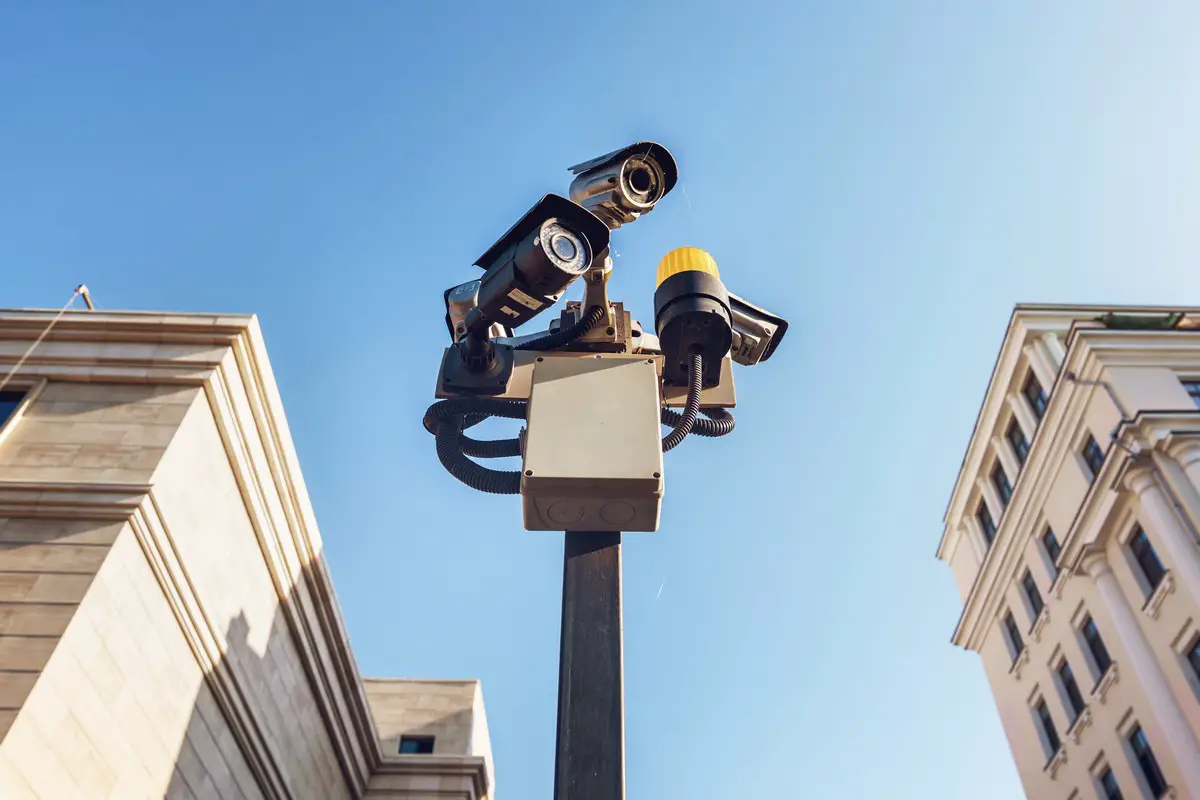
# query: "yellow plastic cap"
(686, 259)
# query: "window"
(1193, 390)
(986, 524)
(1029, 585)
(1071, 689)
(8, 404)
(1155, 781)
(1052, 547)
(1193, 656)
(1147, 559)
(1047, 724)
(1000, 481)
(1100, 657)
(1108, 784)
(1016, 437)
(1093, 456)
(416, 745)
(1035, 395)
(1015, 645)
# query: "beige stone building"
(1072, 536)
(167, 623)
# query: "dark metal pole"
(589, 759)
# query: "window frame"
(1149, 582)
(1148, 769)
(982, 512)
(1012, 635)
(1032, 595)
(420, 740)
(1069, 699)
(1107, 770)
(1089, 652)
(1047, 730)
(31, 390)
(1040, 401)
(1191, 385)
(1001, 483)
(1052, 557)
(1089, 448)
(1020, 443)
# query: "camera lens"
(563, 247)
(640, 180)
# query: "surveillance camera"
(529, 267)
(624, 184)
(756, 333)
(460, 300)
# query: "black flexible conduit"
(691, 406)
(564, 336)
(719, 423)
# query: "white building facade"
(1072, 534)
(168, 627)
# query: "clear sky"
(891, 177)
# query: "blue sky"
(891, 177)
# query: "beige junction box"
(593, 444)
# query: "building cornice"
(1139, 347)
(1090, 351)
(226, 357)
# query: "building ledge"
(1110, 677)
(1056, 762)
(1019, 662)
(1083, 720)
(1060, 583)
(1154, 603)
(1039, 624)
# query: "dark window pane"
(1053, 548)
(1193, 389)
(8, 404)
(1147, 559)
(1071, 688)
(1035, 395)
(1000, 481)
(1148, 763)
(1093, 455)
(1016, 437)
(1193, 656)
(1108, 782)
(416, 745)
(1031, 593)
(986, 524)
(1096, 645)
(1047, 723)
(1014, 635)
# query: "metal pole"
(589, 759)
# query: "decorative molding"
(1154, 603)
(1060, 583)
(70, 500)
(1109, 679)
(1056, 762)
(1039, 624)
(1083, 720)
(1020, 662)
(208, 646)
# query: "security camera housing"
(529, 267)
(756, 333)
(620, 186)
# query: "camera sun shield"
(756, 333)
(620, 186)
(530, 266)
